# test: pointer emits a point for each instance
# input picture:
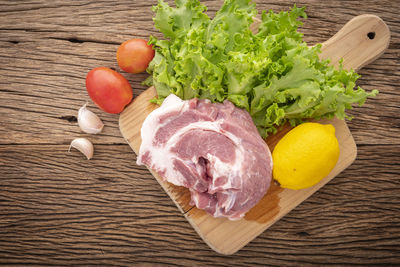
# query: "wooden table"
(58, 208)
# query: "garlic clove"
(88, 121)
(84, 146)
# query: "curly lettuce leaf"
(272, 73)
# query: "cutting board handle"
(362, 40)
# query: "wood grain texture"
(53, 210)
(222, 235)
(352, 45)
(59, 209)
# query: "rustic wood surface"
(58, 208)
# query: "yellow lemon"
(305, 155)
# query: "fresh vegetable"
(84, 146)
(108, 89)
(88, 121)
(273, 74)
(305, 155)
(134, 55)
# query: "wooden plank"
(276, 203)
(44, 61)
(58, 208)
(51, 95)
(353, 45)
(46, 48)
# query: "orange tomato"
(108, 89)
(134, 55)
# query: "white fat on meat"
(212, 149)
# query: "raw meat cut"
(214, 150)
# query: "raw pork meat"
(214, 150)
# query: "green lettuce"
(272, 73)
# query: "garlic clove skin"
(84, 146)
(88, 121)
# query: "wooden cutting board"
(360, 41)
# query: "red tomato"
(108, 89)
(134, 55)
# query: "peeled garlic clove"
(88, 121)
(84, 146)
